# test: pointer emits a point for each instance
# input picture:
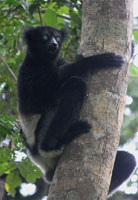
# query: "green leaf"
(12, 181)
(3, 132)
(9, 30)
(50, 18)
(33, 8)
(29, 171)
(135, 33)
(134, 70)
(7, 167)
(5, 154)
(63, 10)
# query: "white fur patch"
(45, 160)
(29, 124)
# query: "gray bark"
(2, 188)
(85, 168)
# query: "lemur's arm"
(91, 64)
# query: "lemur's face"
(51, 40)
(44, 40)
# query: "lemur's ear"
(28, 34)
(64, 33)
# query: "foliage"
(15, 15)
(130, 125)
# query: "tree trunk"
(85, 168)
(2, 188)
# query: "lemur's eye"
(45, 37)
(58, 38)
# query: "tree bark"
(2, 188)
(84, 170)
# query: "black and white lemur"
(50, 95)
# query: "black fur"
(123, 167)
(54, 90)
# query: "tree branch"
(39, 11)
(135, 28)
(63, 16)
(132, 76)
(8, 68)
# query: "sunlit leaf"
(26, 167)
(50, 18)
(12, 181)
(135, 33)
(134, 70)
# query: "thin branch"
(41, 11)
(63, 16)
(9, 69)
(135, 28)
(40, 16)
(132, 76)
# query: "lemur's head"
(44, 41)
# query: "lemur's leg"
(65, 125)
